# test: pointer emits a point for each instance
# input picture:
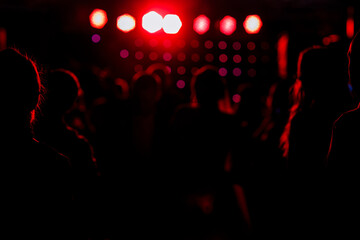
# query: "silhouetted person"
(344, 155)
(38, 193)
(62, 91)
(320, 95)
(200, 143)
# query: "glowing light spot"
(236, 46)
(209, 57)
(237, 72)
(171, 24)
(223, 58)
(222, 45)
(223, 72)
(95, 38)
(124, 53)
(139, 55)
(180, 84)
(126, 23)
(253, 24)
(252, 59)
(181, 43)
(181, 70)
(195, 57)
(98, 18)
(237, 58)
(167, 56)
(194, 43)
(138, 68)
(152, 22)
(201, 24)
(181, 57)
(209, 44)
(326, 41)
(251, 46)
(252, 72)
(350, 24)
(153, 56)
(236, 98)
(153, 42)
(139, 42)
(167, 43)
(228, 25)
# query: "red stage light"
(201, 24)
(252, 24)
(171, 24)
(126, 23)
(98, 18)
(152, 22)
(228, 25)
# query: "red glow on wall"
(201, 24)
(98, 18)
(350, 25)
(228, 25)
(171, 24)
(253, 24)
(282, 55)
(152, 22)
(126, 23)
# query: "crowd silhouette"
(138, 160)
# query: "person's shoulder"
(348, 119)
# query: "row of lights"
(171, 23)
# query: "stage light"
(237, 58)
(251, 46)
(124, 53)
(95, 38)
(236, 98)
(236, 46)
(201, 24)
(252, 59)
(223, 72)
(98, 18)
(126, 23)
(252, 24)
(167, 56)
(171, 24)
(223, 58)
(180, 84)
(209, 44)
(222, 45)
(181, 56)
(228, 25)
(181, 70)
(237, 72)
(139, 55)
(209, 57)
(152, 22)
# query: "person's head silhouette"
(62, 90)
(207, 87)
(353, 67)
(20, 87)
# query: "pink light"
(236, 98)
(139, 55)
(228, 25)
(124, 53)
(282, 55)
(167, 43)
(201, 24)
(171, 24)
(95, 38)
(180, 84)
(252, 24)
(209, 44)
(237, 72)
(252, 59)
(209, 57)
(223, 72)
(181, 70)
(126, 23)
(98, 18)
(152, 22)
(167, 56)
(222, 45)
(181, 57)
(223, 58)
(236, 46)
(251, 46)
(237, 58)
